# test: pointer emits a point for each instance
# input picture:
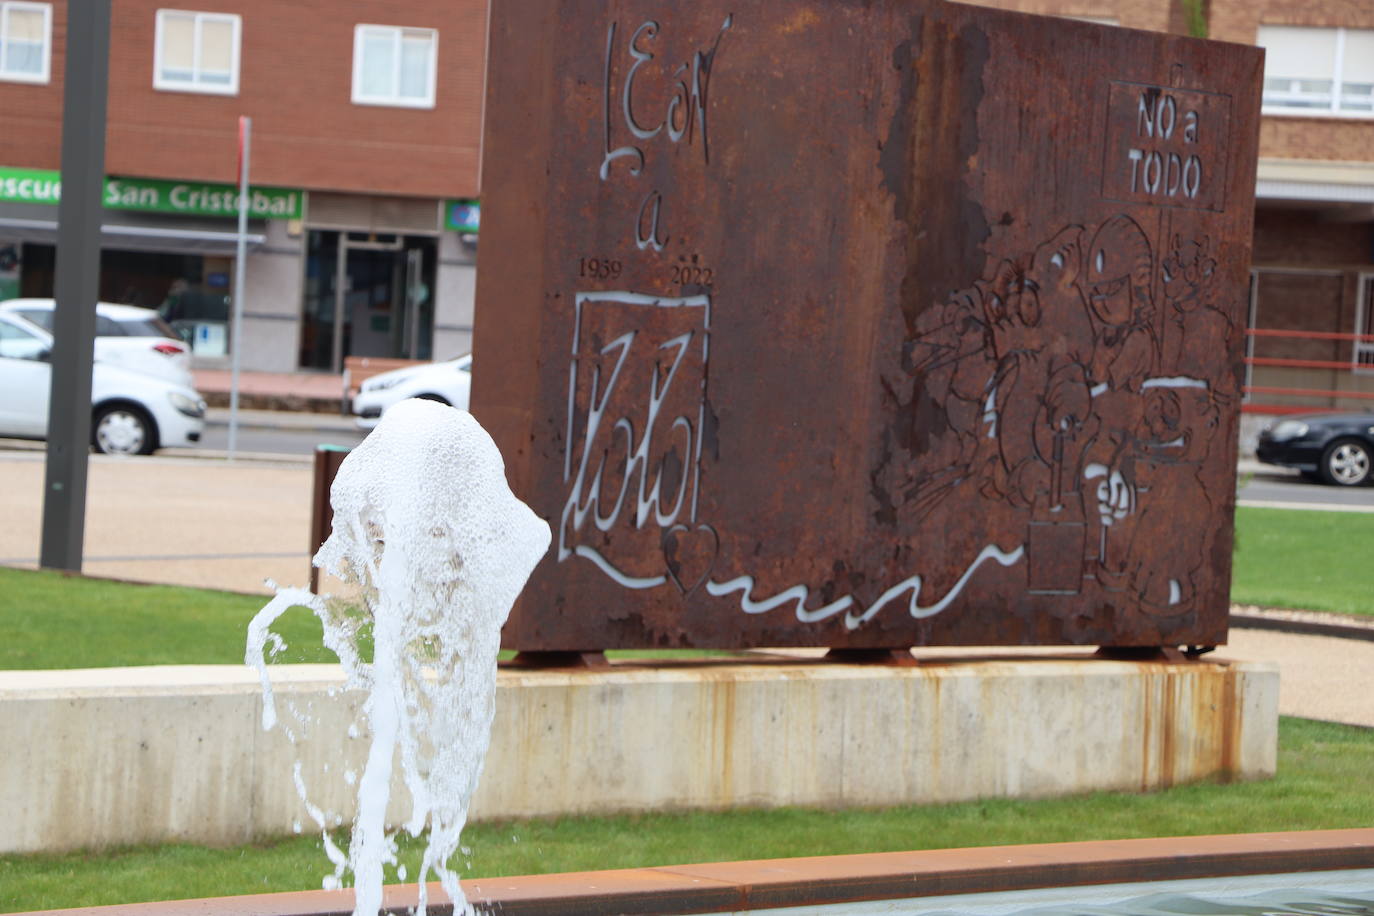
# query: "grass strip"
(52, 620)
(1325, 780)
(1316, 561)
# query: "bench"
(358, 369)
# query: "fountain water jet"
(428, 529)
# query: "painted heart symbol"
(690, 555)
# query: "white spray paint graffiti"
(584, 497)
(797, 594)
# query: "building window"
(197, 52)
(25, 41)
(394, 66)
(1318, 71)
(1364, 325)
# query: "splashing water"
(426, 526)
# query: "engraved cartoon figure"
(1182, 414)
(1040, 391)
(1118, 272)
(1064, 405)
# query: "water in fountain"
(427, 528)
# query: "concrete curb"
(827, 883)
(1303, 623)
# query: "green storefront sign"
(188, 198)
(463, 215)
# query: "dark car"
(1336, 448)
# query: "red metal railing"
(1363, 359)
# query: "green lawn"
(52, 620)
(1319, 561)
(1284, 558)
(1325, 780)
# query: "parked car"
(125, 335)
(132, 412)
(447, 382)
(1335, 448)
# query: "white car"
(447, 382)
(132, 413)
(125, 335)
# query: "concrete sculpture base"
(138, 755)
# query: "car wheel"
(437, 398)
(1346, 463)
(123, 430)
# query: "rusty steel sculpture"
(865, 325)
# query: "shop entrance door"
(367, 294)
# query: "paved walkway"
(180, 521)
(213, 524)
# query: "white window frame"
(166, 85)
(46, 10)
(1363, 351)
(1333, 107)
(396, 32)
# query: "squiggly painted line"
(797, 594)
(616, 575)
(914, 584)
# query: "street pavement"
(195, 519)
(180, 521)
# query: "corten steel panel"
(865, 325)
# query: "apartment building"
(365, 136)
(1312, 294)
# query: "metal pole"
(340, 301)
(240, 255)
(77, 283)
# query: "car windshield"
(151, 326)
(40, 317)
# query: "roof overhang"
(1340, 187)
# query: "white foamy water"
(426, 526)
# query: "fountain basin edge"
(823, 881)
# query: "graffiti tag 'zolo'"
(636, 413)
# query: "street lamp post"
(77, 284)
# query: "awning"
(121, 237)
(1315, 180)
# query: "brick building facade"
(366, 114)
